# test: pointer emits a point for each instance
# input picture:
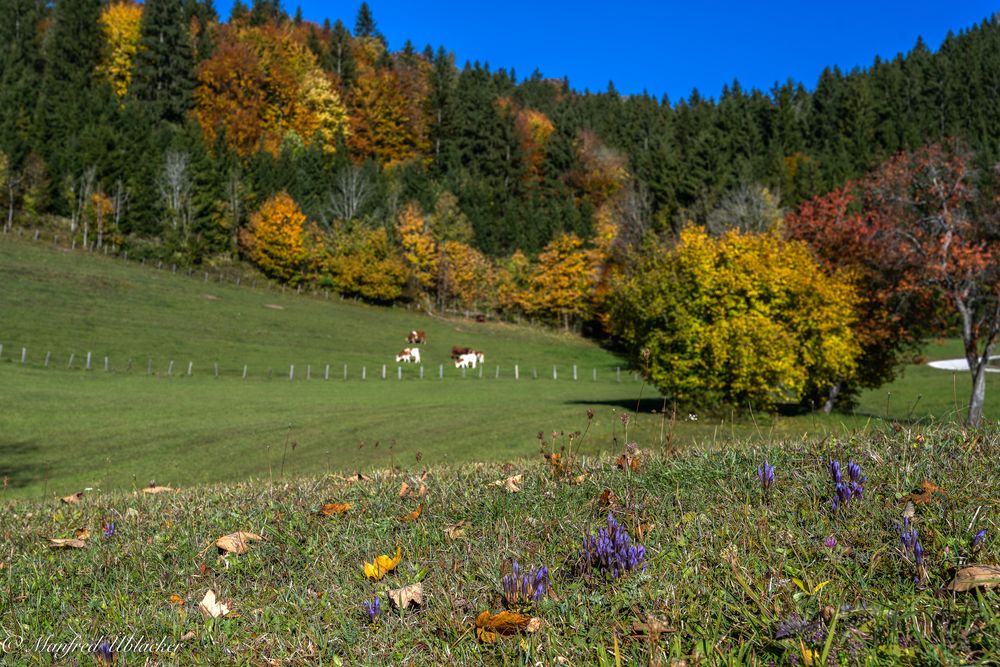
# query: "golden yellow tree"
(120, 25)
(419, 249)
(274, 239)
(561, 281)
(743, 318)
(465, 276)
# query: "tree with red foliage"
(920, 240)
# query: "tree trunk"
(978, 394)
(832, 398)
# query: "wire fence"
(165, 367)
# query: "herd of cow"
(464, 357)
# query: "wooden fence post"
(440, 371)
(72, 356)
(534, 373)
(421, 371)
(481, 371)
(364, 372)
(149, 367)
(309, 372)
(170, 367)
(1, 349)
(498, 373)
(48, 355)
(383, 371)
(244, 371)
(291, 372)
(555, 373)
(399, 372)
(216, 369)
(595, 374)
(326, 373)
(618, 374)
(463, 371)
(190, 367)
(517, 372)
(24, 354)
(88, 361)
(345, 371)
(105, 364)
(574, 372)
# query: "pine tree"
(364, 24)
(339, 59)
(21, 68)
(164, 69)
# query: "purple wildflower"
(918, 553)
(830, 542)
(908, 535)
(104, 654)
(109, 530)
(978, 539)
(834, 468)
(520, 588)
(611, 551)
(765, 473)
(373, 609)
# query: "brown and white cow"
(457, 351)
(409, 355)
(416, 337)
(467, 360)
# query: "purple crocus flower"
(373, 609)
(765, 473)
(520, 587)
(109, 530)
(104, 654)
(978, 539)
(834, 468)
(918, 553)
(611, 551)
(907, 535)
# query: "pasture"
(65, 428)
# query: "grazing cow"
(480, 357)
(457, 351)
(409, 355)
(467, 360)
(416, 337)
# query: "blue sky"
(663, 47)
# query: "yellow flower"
(383, 564)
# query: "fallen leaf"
(188, 636)
(512, 484)
(153, 490)
(64, 543)
(625, 461)
(382, 565)
(407, 595)
(555, 460)
(909, 511)
(236, 543)
(643, 530)
(177, 600)
(210, 607)
(923, 496)
(580, 478)
(82, 533)
(652, 628)
(607, 498)
(455, 530)
(490, 626)
(404, 489)
(330, 509)
(974, 576)
(73, 498)
(414, 515)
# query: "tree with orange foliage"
(561, 281)
(274, 238)
(465, 277)
(419, 249)
(262, 83)
(533, 130)
(120, 25)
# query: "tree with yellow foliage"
(361, 261)
(274, 239)
(120, 25)
(420, 253)
(745, 318)
(465, 277)
(561, 281)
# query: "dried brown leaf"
(331, 509)
(407, 595)
(236, 543)
(177, 600)
(490, 626)
(455, 530)
(82, 533)
(212, 608)
(414, 515)
(607, 498)
(153, 490)
(73, 498)
(64, 543)
(512, 484)
(626, 461)
(974, 576)
(923, 496)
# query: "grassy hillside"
(719, 584)
(62, 429)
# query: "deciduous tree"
(273, 239)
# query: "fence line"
(244, 371)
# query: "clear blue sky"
(663, 47)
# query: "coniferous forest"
(326, 156)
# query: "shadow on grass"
(12, 474)
(647, 405)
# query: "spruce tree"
(364, 24)
(21, 66)
(163, 75)
(338, 58)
